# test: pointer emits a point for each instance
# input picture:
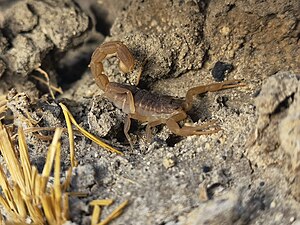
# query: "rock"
(277, 133)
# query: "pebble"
(168, 163)
(278, 217)
(272, 205)
(296, 222)
(203, 196)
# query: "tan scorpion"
(145, 106)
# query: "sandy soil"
(248, 173)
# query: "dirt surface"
(248, 173)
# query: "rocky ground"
(248, 173)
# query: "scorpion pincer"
(145, 106)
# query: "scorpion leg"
(127, 123)
(148, 128)
(187, 105)
(189, 130)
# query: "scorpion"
(145, 106)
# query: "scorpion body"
(145, 106)
(145, 102)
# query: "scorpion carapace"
(145, 106)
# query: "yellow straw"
(114, 214)
(85, 133)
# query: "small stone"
(28, 220)
(273, 205)
(153, 23)
(203, 196)
(220, 210)
(69, 223)
(225, 30)
(207, 145)
(220, 70)
(278, 217)
(168, 162)
(297, 222)
(222, 139)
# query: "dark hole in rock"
(284, 104)
(73, 65)
(206, 169)
(222, 101)
(173, 139)
(262, 183)
(211, 190)
(101, 15)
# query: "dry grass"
(69, 121)
(97, 211)
(2, 106)
(51, 88)
(29, 196)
